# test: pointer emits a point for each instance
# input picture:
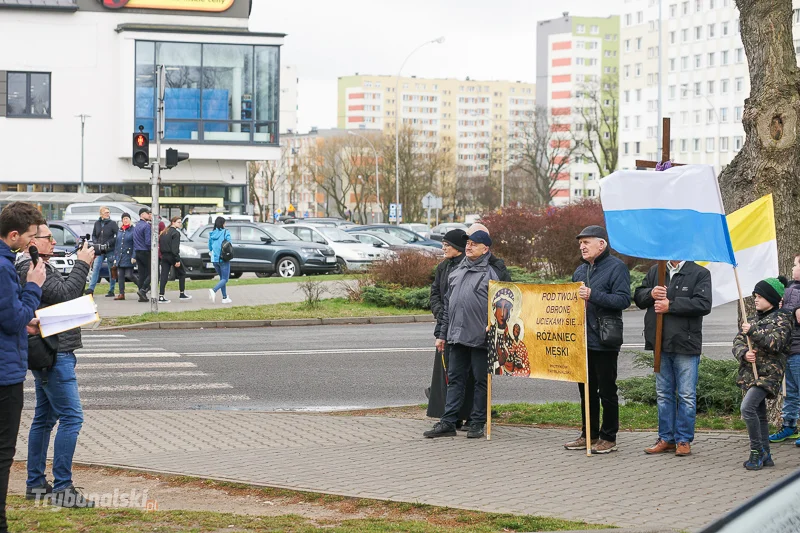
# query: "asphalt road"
(304, 368)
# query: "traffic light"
(141, 149)
(174, 157)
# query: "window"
(214, 92)
(28, 94)
(697, 117)
(737, 113)
(710, 31)
(626, 70)
(684, 62)
(671, 92)
(698, 33)
(637, 124)
(723, 114)
(651, 132)
(626, 123)
(625, 148)
(638, 147)
(709, 144)
(627, 45)
(739, 84)
(695, 145)
(650, 79)
(628, 19)
(698, 5)
(639, 17)
(672, 64)
(740, 55)
(684, 35)
(638, 43)
(724, 58)
(710, 116)
(724, 29)
(710, 59)
(724, 87)
(673, 10)
(638, 69)
(684, 145)
(710, 4)
(710, 87)
(697, 89)
(685, 8)
(638, 95)
(796, 16)
(627, 96)
(737, 143)
(673, 37)
(723, 144)
(698, 60)
(594, 30)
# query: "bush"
(407, 269)
(716, 385)
(520, 275)
(312, 292)
(402, 298)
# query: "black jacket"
(499, 266)
(439, 288)
(57, 289)
(791, 302)
(105, 232)
(169, 245)
(689, 295)
(610, 282)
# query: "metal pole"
(82, 188)
(155, 182)
(660, 110)
(503, 178)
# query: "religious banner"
(215, 6)
(537, 331)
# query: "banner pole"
(586, 410)
(744, 316)
(489, 407)
(662, 279)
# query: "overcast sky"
(493, 40)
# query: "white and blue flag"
(676, 214)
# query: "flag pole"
(662, 279)
(744, 316)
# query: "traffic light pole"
(155, 182)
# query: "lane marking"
(310, 352)
(123, 349)
(98, 336)
(154, 364)
(142, 355)
(150, 387)
(108, 341)
(203, 399)
(705, 345)
(88, 376)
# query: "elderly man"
(104, 232)
(607, 293)
(498, 264)
(464, 319)
(684, 301)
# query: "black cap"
(593, 231)
(457, 238)
(481, 237)
(144, 210)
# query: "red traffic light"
(141, 149)
(140, 140)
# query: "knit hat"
(457, 238)
(771, 289)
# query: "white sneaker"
(212, 296)
(227, 301)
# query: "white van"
(91, 211)
(192, 222)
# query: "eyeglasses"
(48, 237)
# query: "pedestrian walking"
(607, 293)
(453, 244)
(464, 319)
(104, 233)
(791, 398)
(19, 222)
(169, 244)
(142, 240)
(770, 333)
(124, 259)
(57, 397)
(683, 301)
(218, 237)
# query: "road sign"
(400, 212)
(431, 201)
(392, 212)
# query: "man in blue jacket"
(607, 292)
(18, 224)
(142, 238)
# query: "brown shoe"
(119, 297)
(684, 449)
(604, 446)
(660, 447)
(579, 443)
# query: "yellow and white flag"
(752, 230)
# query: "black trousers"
(143, 260)
(11, 398)
(438, 396)
(124, 273)
(180, 273)
(463, 359)
(602, 388)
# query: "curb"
(295, 322)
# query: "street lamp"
(377, 183)
(440, 40)
(685, 89)
(83, 118)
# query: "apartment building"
(704, 80)
(575, 55)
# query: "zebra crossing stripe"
(148, 364)
(150, 387)
(89, 376)
(133, 355)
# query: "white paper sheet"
(67, 315)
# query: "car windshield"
(336, 235)
(279, 234)
(390, 239)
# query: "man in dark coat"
(607, 292)
(684, 301)
(453, 244)
(104, 232)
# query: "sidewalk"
(521, 470)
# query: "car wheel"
(341, 266)
(288, 267)
(263, 274)
(236, 275)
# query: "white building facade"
(80, 57)
(289, 89)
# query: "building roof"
(176, 28)
(63, 5)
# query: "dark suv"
(264, 249)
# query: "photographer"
(105, 234)
(57, 398)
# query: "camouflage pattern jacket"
(771, 336)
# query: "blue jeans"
(98, 263)
(676, 388)
(791, 402)
(224, 272)
(56, 401)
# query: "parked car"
(191, 223)
(420, 229)
(264, 249)
(439, 231)
(380, 239)
(322, 221)
(407, 235)
(351, 254)
(91, 211)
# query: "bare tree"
(256, 186)
(595, 133)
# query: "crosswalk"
(115, 370)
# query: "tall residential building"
(704, 80)
(574, 56)
(289, 82)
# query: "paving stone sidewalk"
(521, 470)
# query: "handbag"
(114, 272)
(610, 331)
(42, 351)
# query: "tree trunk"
(769, 161)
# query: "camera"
(98, 248)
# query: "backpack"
(226, 251)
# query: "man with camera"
(18, 225)
(57, 398)
(104, 236)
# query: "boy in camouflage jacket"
(770, 334)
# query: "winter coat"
(791, 302)
(439, 289)
(215, 240)
(466, 304)
(610, 282)
(123, 253)
(771, 335)
(141, 236)
(689, 295)
(105, 232)
(18, 303)
(169, 244)
(57, 289)
(499, 266)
